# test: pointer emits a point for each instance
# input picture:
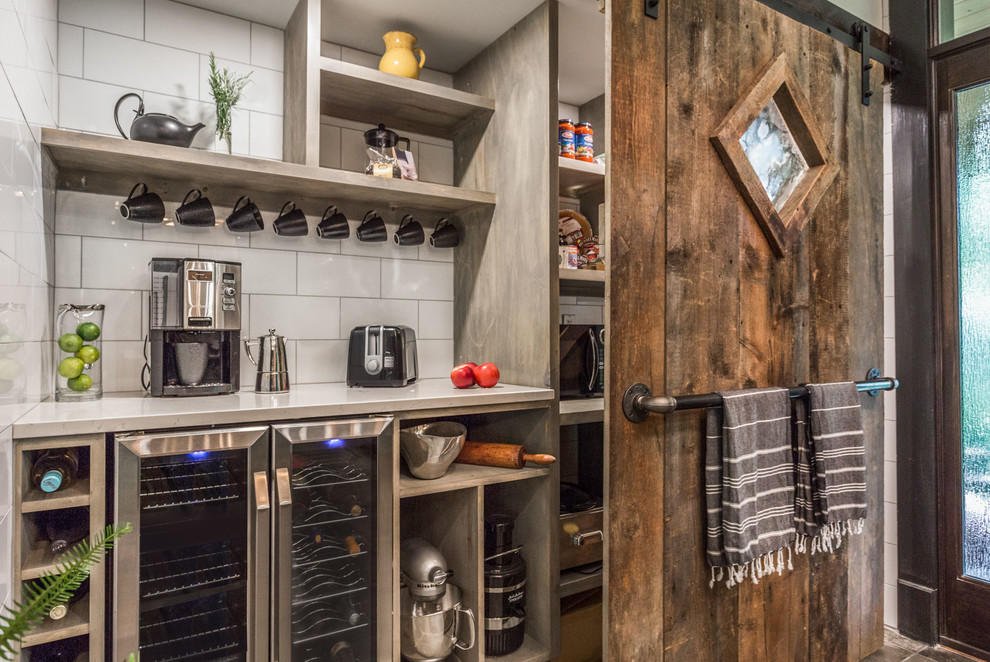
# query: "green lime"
(10, 369)
(88, 354)
(88, 331)
(80, 383)
(9, 343)
(70, 342)
(71, 367)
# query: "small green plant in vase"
(226, 89)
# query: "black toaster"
(382, 356)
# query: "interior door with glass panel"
(963, 114)
(192, 581)
(332, 540)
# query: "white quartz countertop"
(119, 412)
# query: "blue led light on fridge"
(334, 443)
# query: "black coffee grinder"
(505, 588)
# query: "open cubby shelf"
(75, 623)
(577, 177)
(73, 496)
(583, 410)
(460, 476)
(363, 94)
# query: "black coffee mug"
(409, 232)
(333, 225)
(246, 218)
(197, 212)
(291, 223)
(372, 228)
(143, 208)
(445, 235)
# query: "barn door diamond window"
(775, 155)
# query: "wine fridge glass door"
(193, 582)
(328, 538)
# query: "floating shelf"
(573, 582)
(363, 94)
(99, 164)
(460, 476)
(584, 410)
(577, 177)
(74, 624)
(73, 496)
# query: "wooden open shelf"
(577, 177)
(363, 94)
(582, 275)
(75, 623)
(573, 582)
(460, 476)
(75, 495)
(99, 164)
(583, 410)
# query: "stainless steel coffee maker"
(194, 327)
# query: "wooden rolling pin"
(510, 456)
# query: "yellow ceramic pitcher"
(400, 58)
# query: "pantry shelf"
(353, 92)
(73, 496)
(100, 164)
(75, 623)
(585, 410)
(577, 177)
(460, 476)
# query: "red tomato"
(486, 375)
(462, 376)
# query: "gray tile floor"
(900, 649)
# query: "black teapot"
(156, 127)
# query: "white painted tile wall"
(312, 291)
(28, 101)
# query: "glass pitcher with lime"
(78, 352)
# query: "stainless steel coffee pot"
(273, 368)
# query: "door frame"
(959, 625)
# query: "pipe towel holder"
(639, 402)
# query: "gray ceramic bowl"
(430, 448)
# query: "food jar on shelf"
(565, 138)
(78, 352)
(584, 142)
(13, 356)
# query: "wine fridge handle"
(262, 538)
(283, 582)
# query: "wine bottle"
(55, 469)
(60, 611)
(64, 528)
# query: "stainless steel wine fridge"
(255, 543)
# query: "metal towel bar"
(639, 402)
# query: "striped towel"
(830, 466)
(749, 484)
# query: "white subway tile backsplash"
(890, 522)
(408, 279)
(123, 17)
(431, 254)
(310, 243)
(339, 275)
(320, 361)
(138, 64)
(890, 564)
(6, 535)
(193, 29)
(6, 473)
(266, 136)
(436, 320)
(70, 50)
(890, 481)
(362, 312)
(122, 365)
(296, 318)
(890, 606)
(85, 105)
(890, 440)
(122, 317)
(267, 47)
(263, 93)
(68, 260)
(129, 260)
(436, 358)
(217, 235)
(92, 215)
(262, 271)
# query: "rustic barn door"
(729, 270)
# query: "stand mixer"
(432, 617)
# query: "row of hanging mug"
(197, 211)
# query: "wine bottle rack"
(199, 568)
(193, 628)
(172, 484)
(31, 554)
